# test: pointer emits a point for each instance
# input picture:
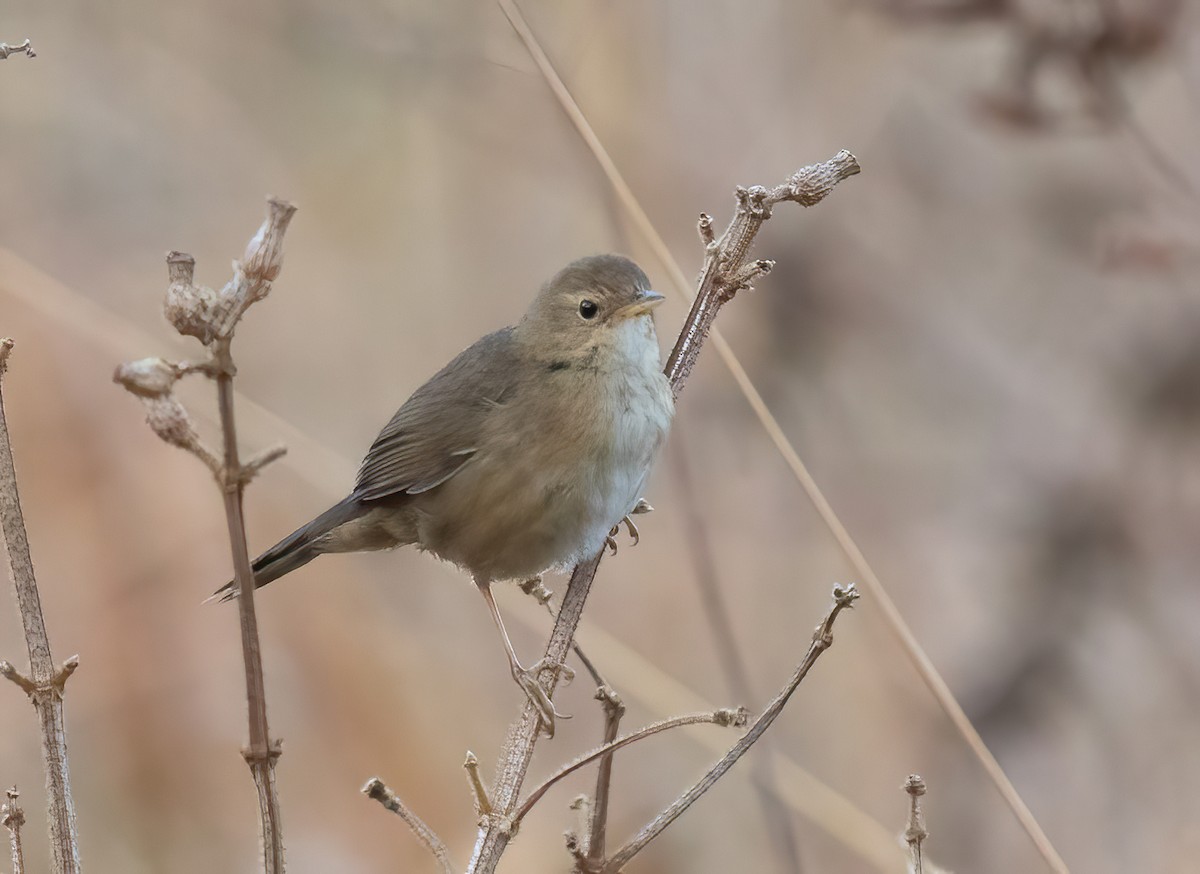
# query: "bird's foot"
(527, 679)
(642, 506)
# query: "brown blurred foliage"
(1006, 421)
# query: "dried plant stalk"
(843, 598)
(726, 272)
(212, 317)
(12, 817)
(46, 683)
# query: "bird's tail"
(296, 550)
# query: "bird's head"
(592, 308)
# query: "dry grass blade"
(924, 667)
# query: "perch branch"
(822, 639)
(378, 790)
(45, 683)
(723, 268)
(589, 848)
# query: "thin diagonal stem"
(717, 717)
(821, 641)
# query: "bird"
(521, 454)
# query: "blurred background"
(986, 347)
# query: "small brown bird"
(522, 453)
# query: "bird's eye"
(588, 309)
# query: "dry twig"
(378, 790)
(12, 817)
(25, 48)
(843, 598)
(212, 317)
(915, 833)
(46, 683)
(724, 717)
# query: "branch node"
(610, 701)
(263, 754)
(705, 227)
(736, 717)
(6, 345)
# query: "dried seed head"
(170, 421)
(148, 377)
(193, 311)
(264, 254)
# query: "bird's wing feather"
(433, 435)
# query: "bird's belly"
(514, 514)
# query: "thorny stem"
(725, 273)
(843, 598)
(915, 833)
(722, 717)
(378, 790)
(46, 683)
(12, 817)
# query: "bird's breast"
(567, 457)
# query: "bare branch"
(376, 789)
(723, 717)
(822, 639)
(25, 48)
(915, 833)
(212, 317)
(45, 683)
(12, 817)
(597, 819)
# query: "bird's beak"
(645, 302)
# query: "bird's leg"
(527, 679)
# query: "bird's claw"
(527, 679)
(634, 534)
(611, 540)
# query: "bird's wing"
(434, 434)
